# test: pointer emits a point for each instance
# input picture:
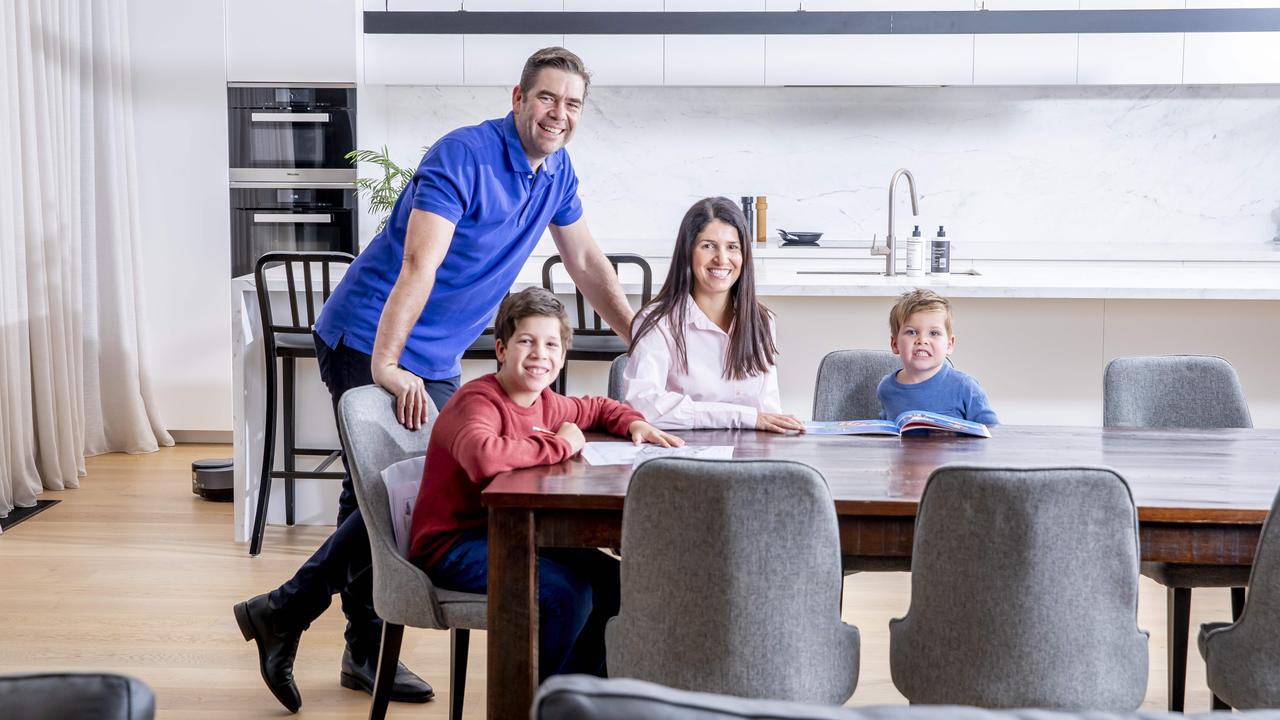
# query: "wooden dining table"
(1201, 495)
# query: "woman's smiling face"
(717, 259)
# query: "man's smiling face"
(548, 114)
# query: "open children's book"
(909, 420)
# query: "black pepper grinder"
(750, 214)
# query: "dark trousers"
(578, 591)
(342, 565)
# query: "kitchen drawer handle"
(289, 117)
(291, 218)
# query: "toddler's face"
(533, 356)
(923, 343)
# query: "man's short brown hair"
(531, 302)
(553, 57)
(918, 300)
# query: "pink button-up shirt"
(700, 396)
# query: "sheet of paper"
(624, 453)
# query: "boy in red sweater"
(497, 423)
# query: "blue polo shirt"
(478, 178)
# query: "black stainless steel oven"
(291, 133)
(304, 217)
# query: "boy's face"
(923, 343)
(532, 358)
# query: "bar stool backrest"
(596, 327)
(299, 275)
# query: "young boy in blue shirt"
(920, 323)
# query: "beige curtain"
(73, 380)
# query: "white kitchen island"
(1036, 333)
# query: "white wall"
(180, 111)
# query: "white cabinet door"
(869, 60)
(1232, 57)
(619, 59)
(713, 60)
(1025, 59)
(496, 60)
(291, 40)
(413, 59)
(1130, 58)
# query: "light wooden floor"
(134, 574)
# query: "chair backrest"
(847, 382)
(1024, 592)
(1241, 661)
(373, 440)
(616, 371)
(1191, 391)
(595, 326)
(731, 582)
(75, 696)
(300, 274)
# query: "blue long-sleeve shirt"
(949, 392)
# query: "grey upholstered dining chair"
(75, 696)
(846, 390)
(616, 369)
(1024, 592)
(402, 593)
(1185, 391)
(847, 382)
(1242, 659)
(731, 582)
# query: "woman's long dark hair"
(751, 346)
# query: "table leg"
(513, 614)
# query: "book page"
(625, 453)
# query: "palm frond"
(381, 192)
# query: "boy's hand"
(643, 432)
(574, 435)
(778, 423)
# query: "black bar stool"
(596, 341)
(287, 342)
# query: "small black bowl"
(799, 238)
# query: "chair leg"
(459, 639)
(1218, 704)
(388, 657)
(268, 461)
(1237, 603)
(1179, 625)
(290, 441)
(562, 380)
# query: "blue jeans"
(343, 565)
(578, 591)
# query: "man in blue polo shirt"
(411, 303)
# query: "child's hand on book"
(643, 432)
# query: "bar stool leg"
(268, 460)
(290, 443)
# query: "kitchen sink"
(874, 272)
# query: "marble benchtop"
(780, 273)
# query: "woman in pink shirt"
(702, 352)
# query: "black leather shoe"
(276, 649)
(407, 687)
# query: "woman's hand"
(643, 432)
(778, 423)
(574, 435)
(410, 392)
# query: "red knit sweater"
(481, 432)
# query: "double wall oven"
(292, 187)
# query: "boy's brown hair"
(918, 300)
(553, 57)
(531, 302)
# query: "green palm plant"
(382, 192)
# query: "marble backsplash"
(1136, 168)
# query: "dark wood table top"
(1206, 476)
